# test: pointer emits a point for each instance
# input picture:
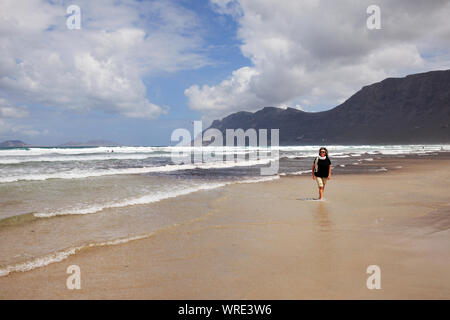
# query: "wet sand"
(271, 241)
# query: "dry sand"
(269, 241)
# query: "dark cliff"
(410, 110)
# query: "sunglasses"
(323, 152)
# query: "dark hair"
(326, 151)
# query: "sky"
(135, 71)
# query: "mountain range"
(91, 143)
(410, 110)
(13, 144)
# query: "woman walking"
(321, 170)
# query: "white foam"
(147, 199)
(297, 173)
(263, 179)
(62, 255)
(110, 156)
(334, 150)
(79, 174)
(340, 157)
(135, 201)
(78, 151)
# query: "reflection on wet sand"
(321, 217)
(324, 239)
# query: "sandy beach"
(269, 240)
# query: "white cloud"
(4, 126)
(230, 7)
(100, 66)
(9, 111)
(9, 127)
(217, 99)
(317, 53)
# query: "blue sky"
(219, 45)
(137, 70)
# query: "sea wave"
(78, 174)
(64, 254)
(295, 173)
(124, 150)
(110, 156)
(146, 199)
(78, 151)
(17, 219)
(337, 149)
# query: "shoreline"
(246, 243)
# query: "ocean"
(55, 202)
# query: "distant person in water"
(321, 170)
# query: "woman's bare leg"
(321, 193)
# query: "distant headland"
(90, 143)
